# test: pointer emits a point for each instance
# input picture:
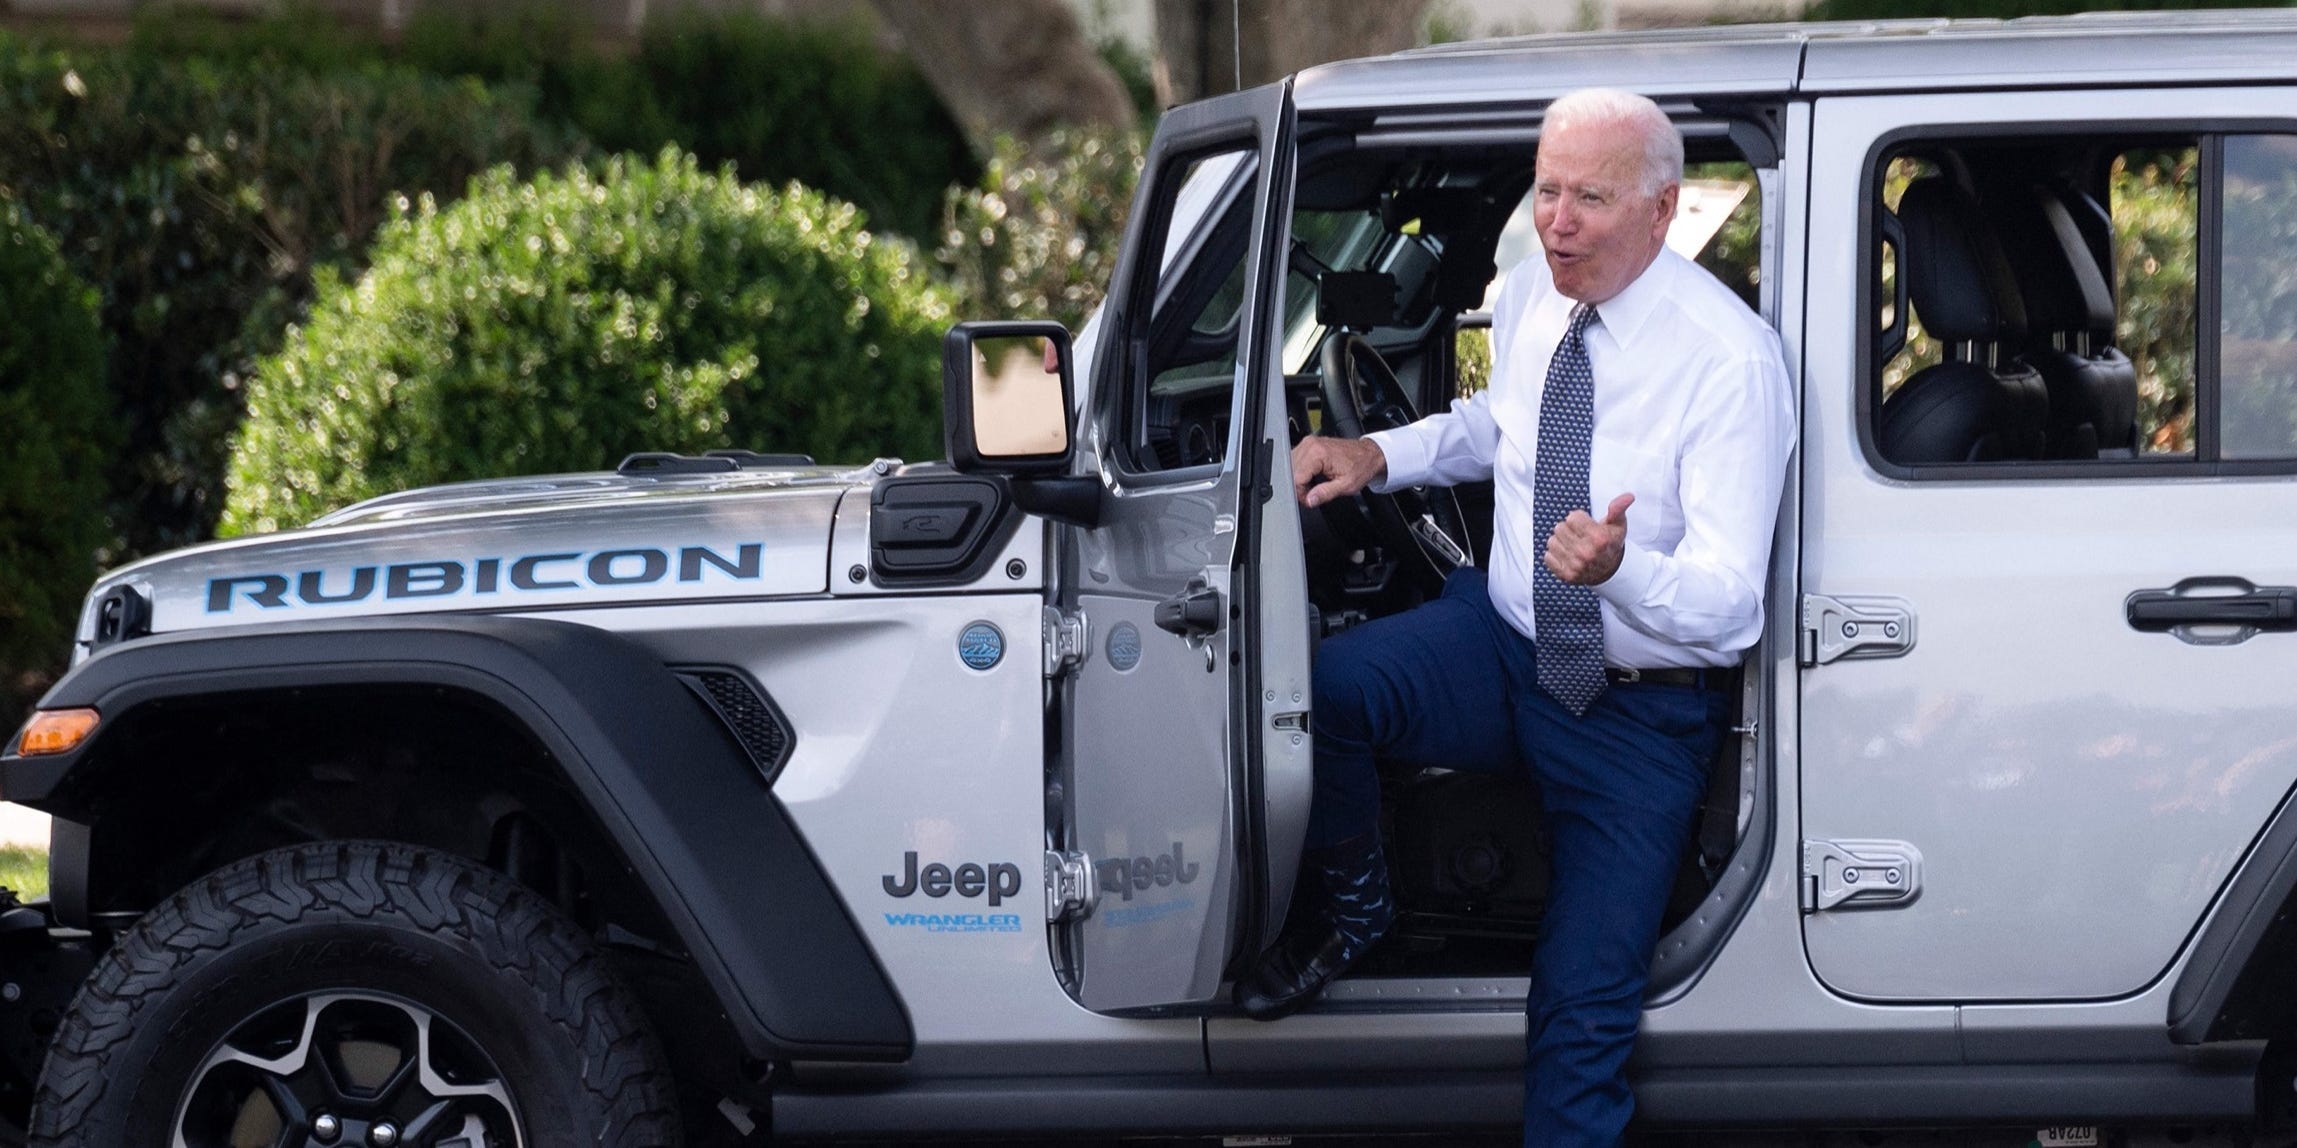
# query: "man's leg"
(1428, 685)
(1620, 787)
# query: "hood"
(510, 544)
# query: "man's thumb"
(1617, 515)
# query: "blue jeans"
(1451, 684)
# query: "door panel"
(2078, 790)
(1161, 726)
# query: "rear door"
(2015, 785)
(1179, 721)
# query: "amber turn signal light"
(56, 731)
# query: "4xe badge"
(995, 882)
(1124, 646)
(981, 645)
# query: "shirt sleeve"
(1458, 445)
(1739, 436)
(1441, 449)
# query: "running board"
(1813, 1096)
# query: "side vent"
(748, 713)
(936, 529)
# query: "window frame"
(1132, 342)
(2208, 132)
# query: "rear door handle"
(2249, 609)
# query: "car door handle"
(1192, 613)
(2213, 601)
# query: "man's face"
(1598, 226)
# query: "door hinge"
(1066, 638)
(1070, 889)
(1859, 875)
(1854, 627)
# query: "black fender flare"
(700, 828)
(2236, 985)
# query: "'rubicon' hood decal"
(544, 543)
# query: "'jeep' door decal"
(995, 882)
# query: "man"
(1592, 654)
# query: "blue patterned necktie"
(1568, 618)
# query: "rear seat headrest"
(2062, 285)
(2095, 225)
(1958, 278)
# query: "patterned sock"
(1356, 890)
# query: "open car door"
(1184, 725)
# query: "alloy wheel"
(347, 1070)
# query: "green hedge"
(201, 173)
(198, 195)
(1038, 237)
(816, 101)
(562, 323)
(53, 404)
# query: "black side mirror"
(1006, 391)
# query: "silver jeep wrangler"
(745, 795)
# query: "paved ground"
(21, 826)
(2166, 1137)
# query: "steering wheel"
(1421, 522)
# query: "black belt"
(1666, 676)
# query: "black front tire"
(263, 961)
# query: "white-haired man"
(1592, 653)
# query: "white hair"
(1662, 144)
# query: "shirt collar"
(1625, 314)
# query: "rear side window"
(2257, 352)
(2118, 303)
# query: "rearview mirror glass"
(1017, 407)
(1006, 387)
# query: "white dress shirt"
(1693, 414)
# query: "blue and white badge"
(1124, 646)
(981, 646)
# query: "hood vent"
(655, 462)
